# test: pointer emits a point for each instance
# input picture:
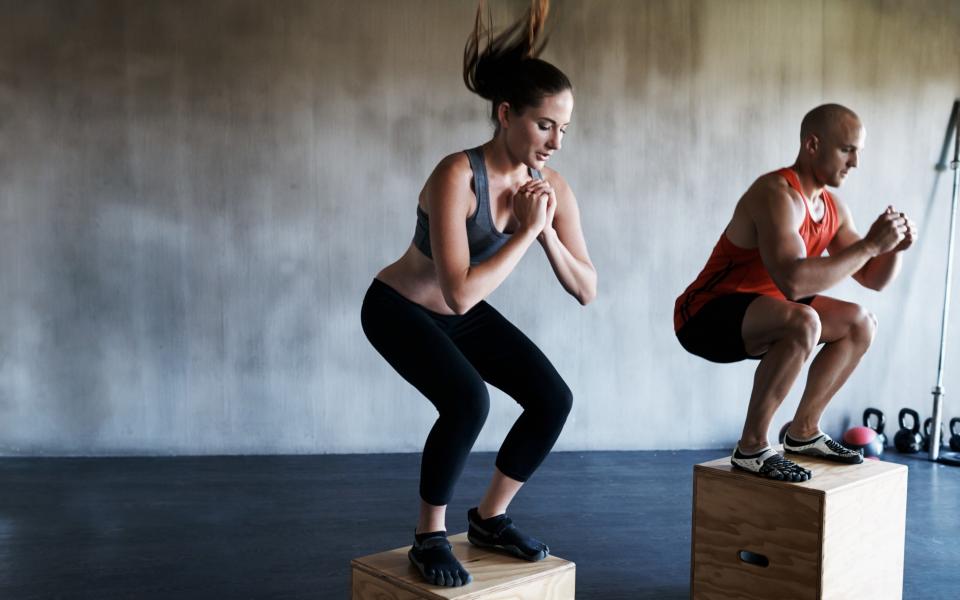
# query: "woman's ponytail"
(507, 68)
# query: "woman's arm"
(448, 197)
(562, 240)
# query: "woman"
(479, 212)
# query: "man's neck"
(809, 186)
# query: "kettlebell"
(927, 425)
(908, 440)
(955, 434)
(881, 423)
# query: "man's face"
(838, 151)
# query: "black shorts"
(715, 332)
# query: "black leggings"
(448, 358)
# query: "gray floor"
(287, 527)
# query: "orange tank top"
(732, 269)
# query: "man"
(759, 294)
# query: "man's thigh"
(769, 319)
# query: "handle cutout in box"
(752, 558)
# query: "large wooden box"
(390, 576)
(839, 536)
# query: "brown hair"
(508, 70)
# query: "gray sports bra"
(482, 236)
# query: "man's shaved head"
(823, 120)
(831, 139)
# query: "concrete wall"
(195, 195)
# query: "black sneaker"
(770, 464)
(433, 557)
(499, 533)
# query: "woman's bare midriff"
(414, 277)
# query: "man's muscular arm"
(777, 216)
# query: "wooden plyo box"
(390, 576)
(838, 536)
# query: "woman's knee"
(564, 399)
(556, 399)
(468, 406)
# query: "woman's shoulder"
(554, 178)
(452, 168)
(452, 177)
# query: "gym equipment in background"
(881, 423)
(927, 435)
(953, 128)
(955, 434)
(865, 440)
(908, 440)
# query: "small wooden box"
(390, 576)
(838, 536)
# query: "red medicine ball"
(863, 438)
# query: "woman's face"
(535, 134)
